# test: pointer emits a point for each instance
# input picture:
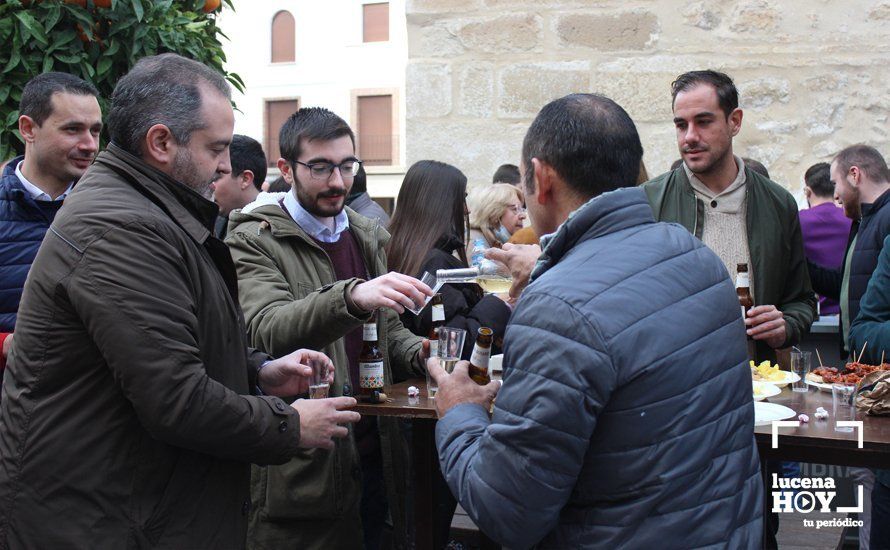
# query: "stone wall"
(812, 74)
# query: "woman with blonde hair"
(496, 212)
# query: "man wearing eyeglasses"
(311, 272)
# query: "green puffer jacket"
(291, 299)
(779, 267)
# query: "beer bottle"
(481, 354)
(746, 302)
(438, 321)
(370, 363)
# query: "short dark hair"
(279, 185)
(161, 89)
(247, 154)
(757, 166)
(36, 102)
(310, 123)
(506, 173)
(867, 159)
(818, 178)
(589, 140)
(359, 181)
(727, 94)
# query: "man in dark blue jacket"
(60, 121)
(625, 419)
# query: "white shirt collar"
(37, 193)
(310, 223)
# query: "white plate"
(820, 385)
(766, 413)
(496, 363)
(766, 390)
(790, 377)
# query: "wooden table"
(817, 441)
(422, 412)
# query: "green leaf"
(88, 69)
(55, 13)
(103, 66)
(6, 27)
(34, 27)
(4, 92)
(47, 64)
(14, 59)
(12, 118)
(137, 8)
(113, 47)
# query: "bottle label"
(438, 313)
(370, 375)
(434, 348)
(480, 357)
(369, 332)
(742, 280)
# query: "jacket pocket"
(178, 499)
(310, 486)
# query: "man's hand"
(321, 419)
(520, 260)
(289, 375)
(458, 387)
(393, 290)
(766, 323)
(7, 345)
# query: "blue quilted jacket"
(22, 227)
(625, 419)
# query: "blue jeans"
(880, 517)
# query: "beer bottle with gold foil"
(370, 362)
(481, 354)
(746, 301)
(438, 321)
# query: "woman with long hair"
(428, 230)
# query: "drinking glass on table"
(318, 384)
(451, 344)
(800, 365)
(842, 403)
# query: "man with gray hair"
(127, 418)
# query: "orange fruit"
(211, 5)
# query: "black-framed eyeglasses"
(322, 170)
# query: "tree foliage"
(97, 40)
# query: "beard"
(185, 172)
(314, 206)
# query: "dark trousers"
(880, 517)
(374, 506)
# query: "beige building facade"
(812, 74)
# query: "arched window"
(283, 38)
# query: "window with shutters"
(277, 112)
(375, 22)
(283, 38)
(374, 131)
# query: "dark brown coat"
(126, 420)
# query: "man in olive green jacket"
(288, 250)
(743, 216)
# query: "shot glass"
(429, 280)
(800, 365)
(842, 403)
(431, 386)
(318, 384)
(451, 345)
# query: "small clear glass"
(318, 384)
(429, 280)
(842, 403)
(800, 365)
(451, 345)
